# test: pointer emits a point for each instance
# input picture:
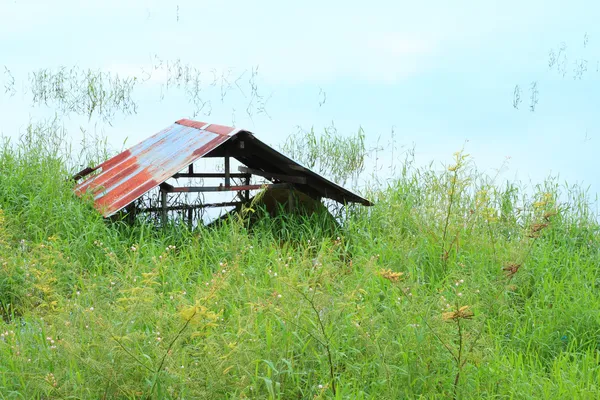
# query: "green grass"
(291, 310)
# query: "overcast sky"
(436, 72)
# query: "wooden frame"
(280, 181)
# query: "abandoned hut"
(125, 183)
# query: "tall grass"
(452, 285)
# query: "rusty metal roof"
(127, 176)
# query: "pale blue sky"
(439, 72)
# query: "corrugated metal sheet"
(124, 178)
(127, 176)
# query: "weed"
(451, 285)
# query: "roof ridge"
(222, 130)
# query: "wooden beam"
(199, 189)
(207, 175)
(296, 167)
(192, 207)
(166, 187)
(83, 173)
(270, 175)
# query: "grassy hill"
(452, 285)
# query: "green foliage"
(337, 157)
(447, 265)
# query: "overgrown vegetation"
(454, 285)
(336, 156)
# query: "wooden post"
(163, 201)
(247, 191)
(227, 177)
(290, 201)
(130, 210)
(190, 211)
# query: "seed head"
(463, 313)
(511, 269)
(390, 275)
